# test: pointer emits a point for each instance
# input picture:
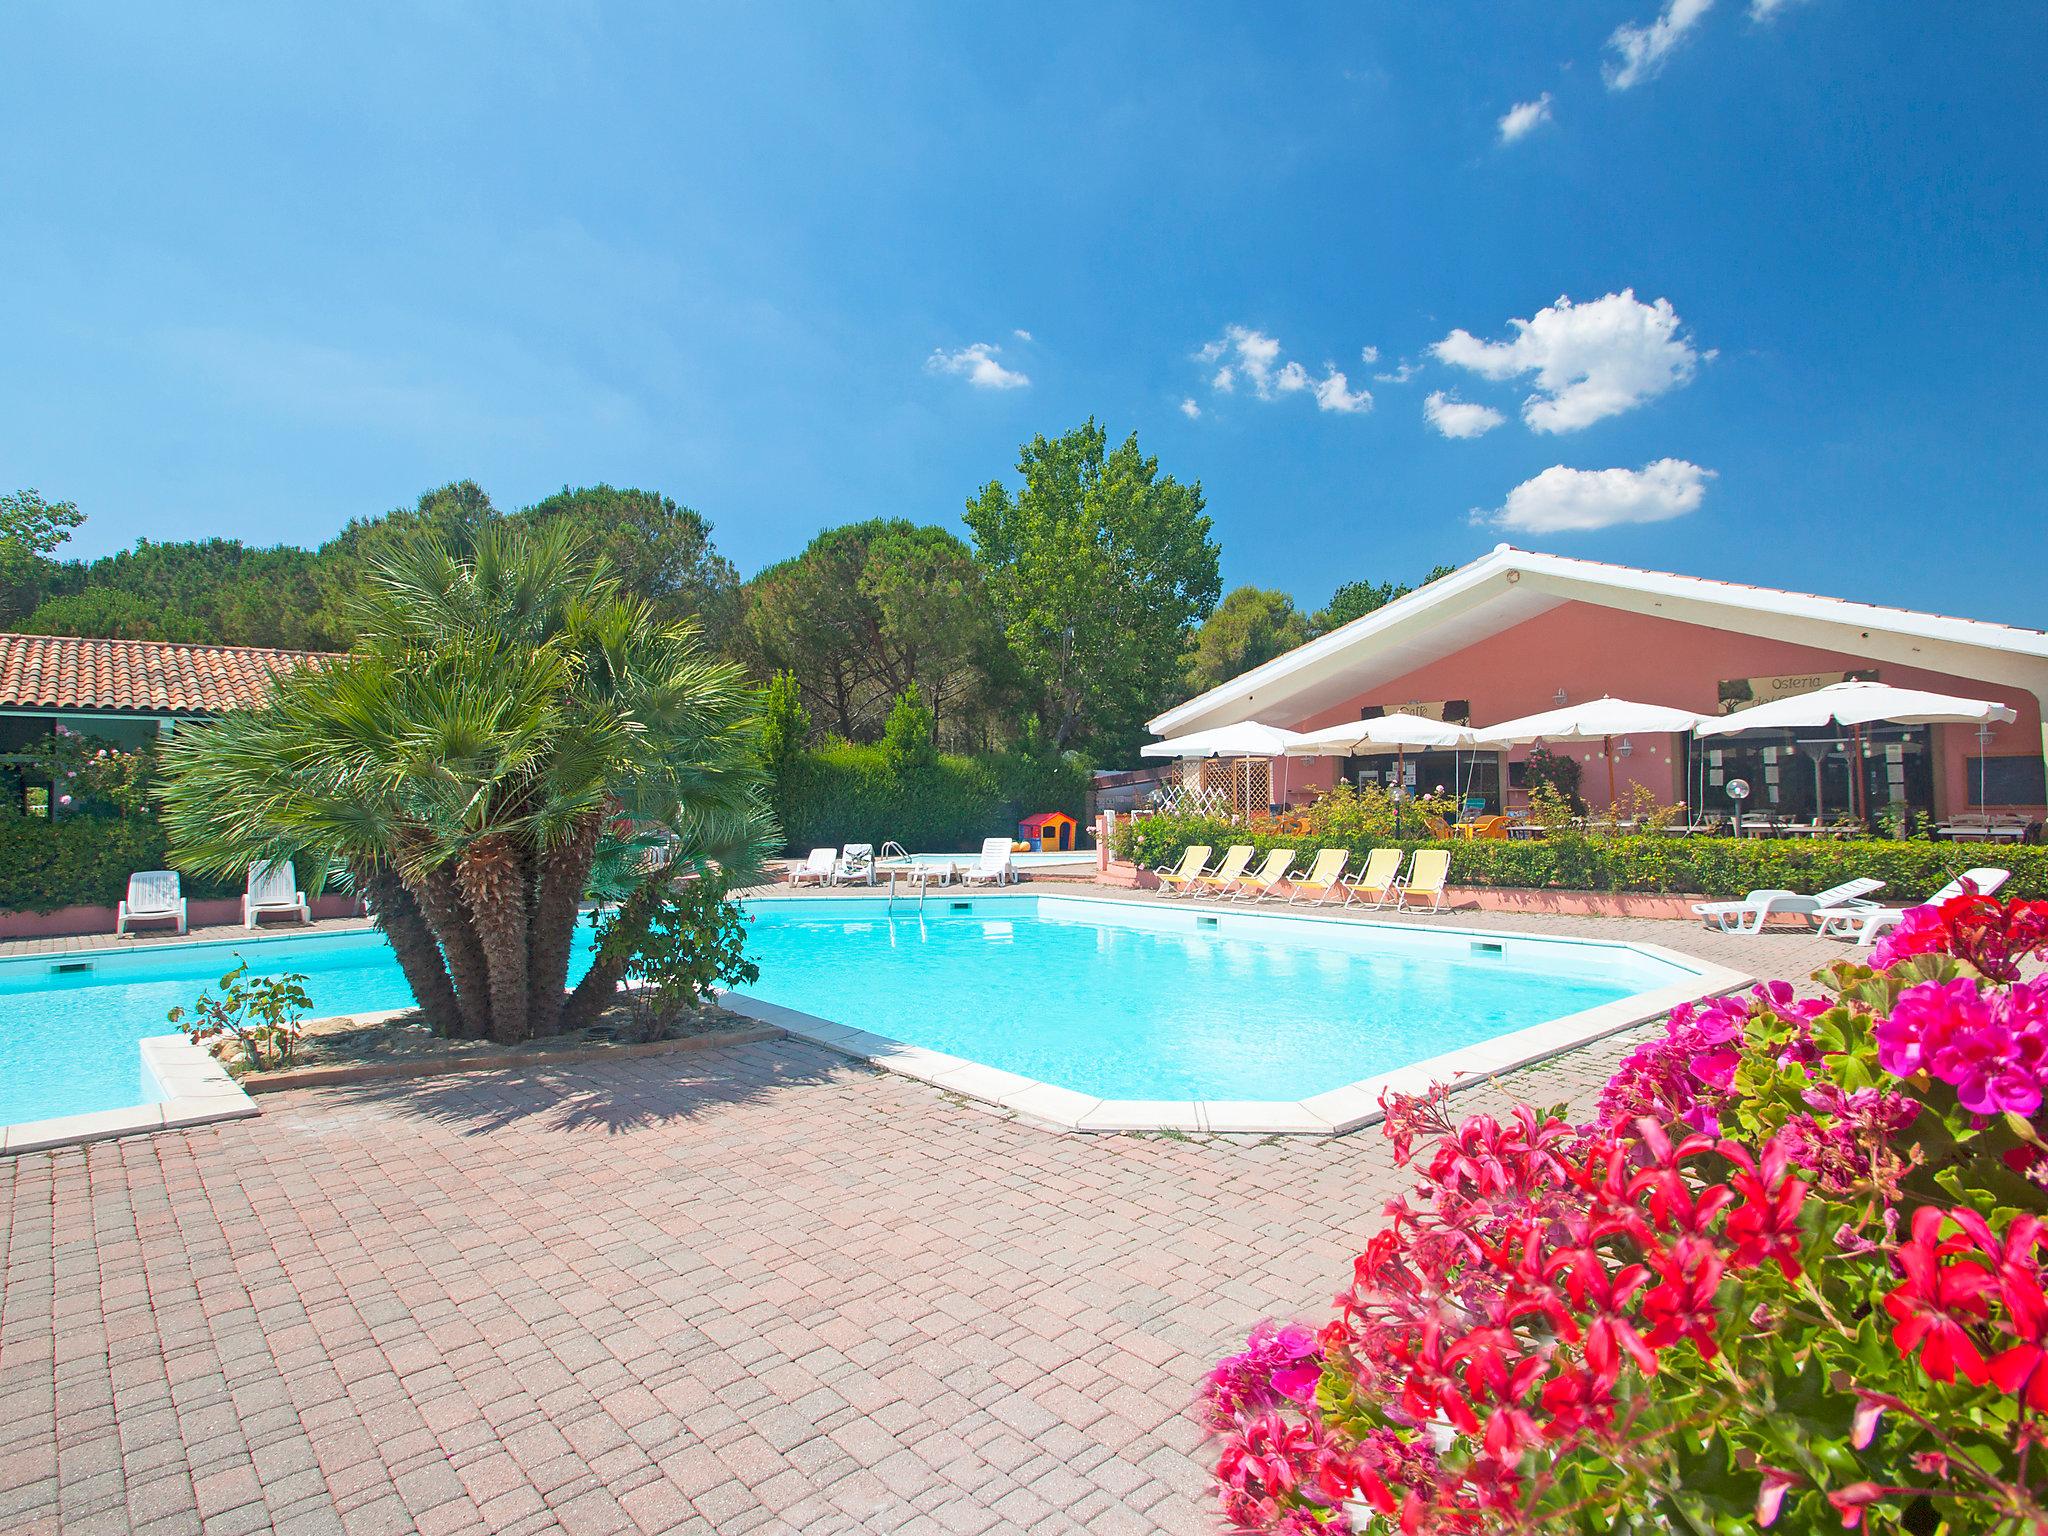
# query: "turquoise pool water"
(70, 1024)
(1117, 1000)
(1123, 1001)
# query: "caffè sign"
(1738, 693)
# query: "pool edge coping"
(1334, 1112)
(197, 1091)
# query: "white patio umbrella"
(1598, 720)
(1857, 704)
(1387, 733)
(1246, 738)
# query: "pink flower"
(1990, 1046)
(1278, 1367)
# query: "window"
(2008, 780)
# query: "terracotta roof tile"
(65, 672)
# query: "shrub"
(82, 861)
(260, 1019)
(696, 940)
(1716, 867)
(841, 792)
(1792, 1274)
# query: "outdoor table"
(1982, 834)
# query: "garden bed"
(374, 1047)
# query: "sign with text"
(1738, 693)
(1453, 711)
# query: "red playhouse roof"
(1039, 822)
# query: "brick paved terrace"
(759, 1288)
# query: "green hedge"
(843, 793)
(82, 862)
(1715, 867)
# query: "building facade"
(1515, 632)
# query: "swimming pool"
(1121, 1001)
(71, 1024)
(1092, 1012)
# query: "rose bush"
(1794, 1274)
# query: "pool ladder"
(896, 855)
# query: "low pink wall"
(72, 922)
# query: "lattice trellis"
(1183, 800)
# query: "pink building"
(1513, 633)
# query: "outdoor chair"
(1429, 874)
(1237, 859)
(817, 869)
(273, 890)
(1325, 876)
(1260, 883)
(1180, 877)
(1751, 913)
(1864, 922)
(994, 866)
(1380, 879)
(153, 896)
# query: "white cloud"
(1459, 418)
(1400, 375)
(1562, 500)
(1591, 360)
(1189, 409)
(1766, 10)
(977, 364)
(1524, 118)
(1255, 357)
(1641, 51)
(1249, 353)
(1021, 335)
(1368, 355)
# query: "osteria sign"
(1738, 693)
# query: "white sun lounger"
(1864, 923)
(856, 865)
(817, 869)
(153, 897)
(994, 866)
(1750, 914)
(273, 890)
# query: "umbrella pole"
(1400, 785)
(1613, 804)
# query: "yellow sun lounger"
(1178, 877)
(1325, 876)
(1236, 859)
(1258, 885)
(1378, 881)
(1428, 875)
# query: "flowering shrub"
(1791, 1275)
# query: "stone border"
(1332, 1113)
(196, 1091)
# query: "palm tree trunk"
(438, 898)
(558, 893)
(496, 890)
(412, 941)
(600, 984)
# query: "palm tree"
(505, 706)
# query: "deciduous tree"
(1250, 626)
(1099, 567)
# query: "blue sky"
(272, 266)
